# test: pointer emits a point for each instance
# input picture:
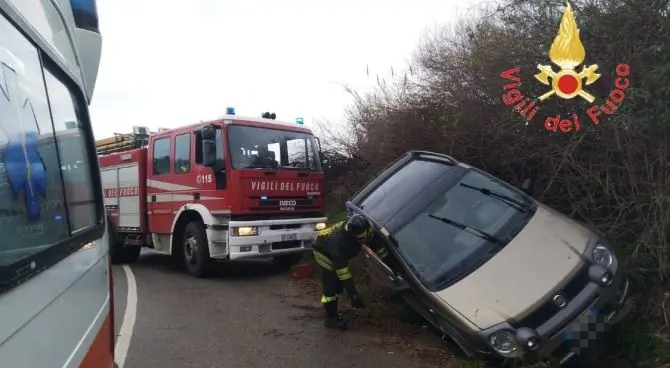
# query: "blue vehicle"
(55, 280)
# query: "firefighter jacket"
(334, 247)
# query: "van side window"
(162, 156)
(182, 153)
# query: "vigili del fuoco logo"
(567, 52)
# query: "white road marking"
(128, 323)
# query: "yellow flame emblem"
(567, 51)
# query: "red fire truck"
(230, 189)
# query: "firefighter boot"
(336, 322)
(333, 320)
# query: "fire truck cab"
(230, 189)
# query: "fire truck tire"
(131, 253)
(195, 250)
(118, 252)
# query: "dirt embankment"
(386, 326)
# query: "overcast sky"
(167, 63)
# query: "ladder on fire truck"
(123, 142)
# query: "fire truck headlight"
(245, 231)
(319, 226)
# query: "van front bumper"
(273, 237)
(606, 307)
(577, 327)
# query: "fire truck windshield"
(263, 148)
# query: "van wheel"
(195, 250)
(287, 261)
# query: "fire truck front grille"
(287, 227)
(286, 245)
(279, 203)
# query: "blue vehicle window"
(50, 194)
(74, 163)
(32, 212)
(85, 14)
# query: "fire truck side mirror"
(208, 132)
(208, 152)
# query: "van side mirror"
(527, 186)
(208, 152)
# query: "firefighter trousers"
(332, 286)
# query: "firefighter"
(333, 248)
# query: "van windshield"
(262, 148)
(462, 228)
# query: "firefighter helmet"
(358, 226)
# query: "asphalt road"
(249, 315)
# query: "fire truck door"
(205, 181)
(210, 179)
(162, 189)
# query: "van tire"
(195, 250)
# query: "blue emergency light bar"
(230, 111)
(85, 14)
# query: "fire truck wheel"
(195, 250)
(118, 252)
(131, 253)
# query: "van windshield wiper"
(511, 201)
(464, 269)
(482, 234)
